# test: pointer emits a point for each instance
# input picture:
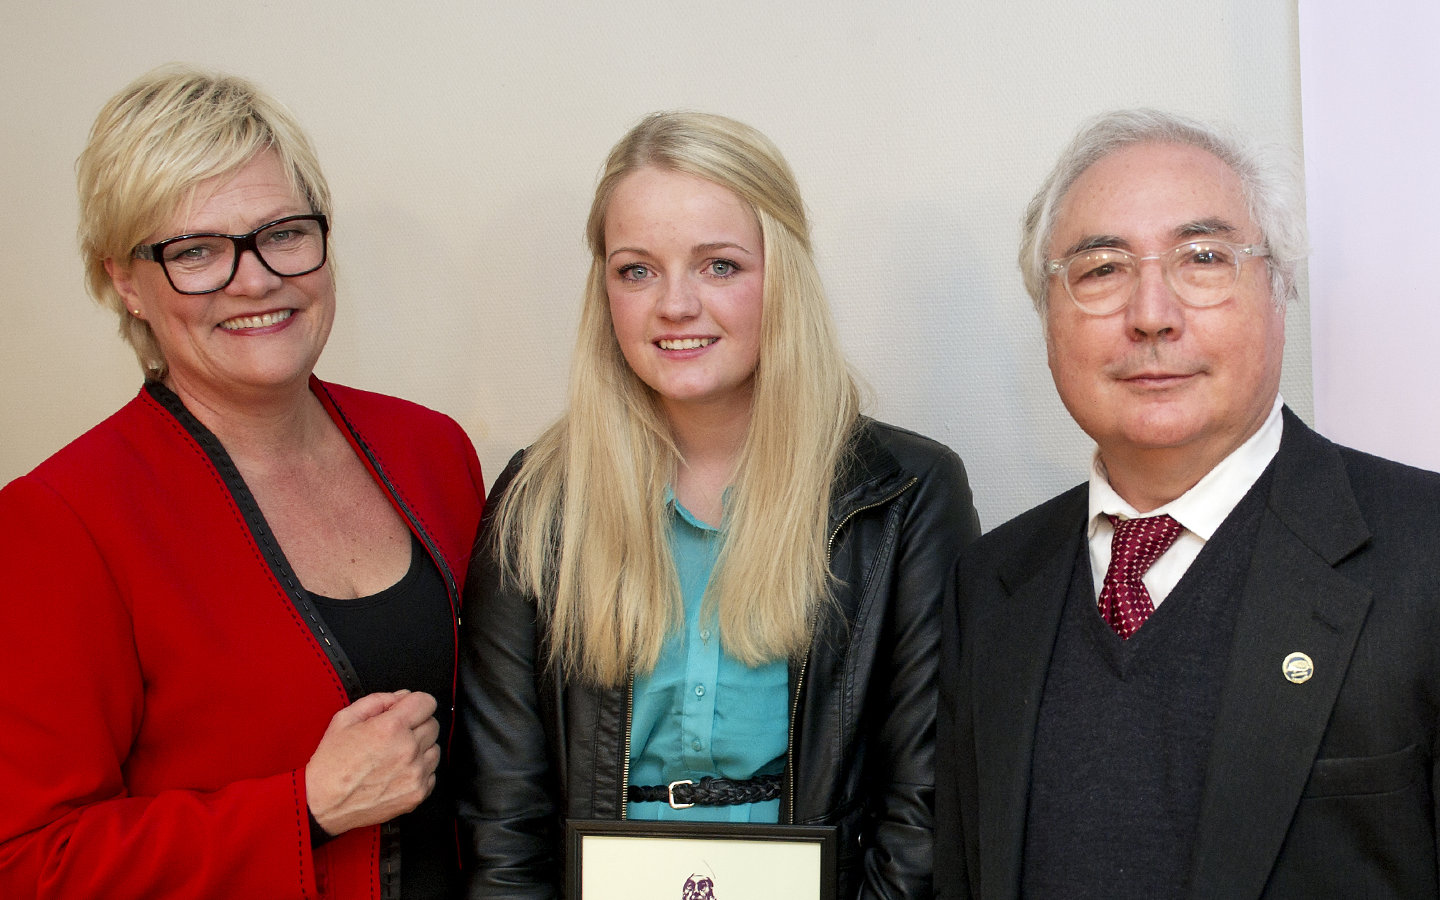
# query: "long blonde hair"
(583, 526)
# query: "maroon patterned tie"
(1124, 601)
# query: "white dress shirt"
(1199, 510)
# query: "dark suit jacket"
(1319, 789)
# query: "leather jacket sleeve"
(939, 521)
(505, 777)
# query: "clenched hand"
(376, 761)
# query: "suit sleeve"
(72, 709)
(941, 521)
(505, 781)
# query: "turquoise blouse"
(702, 712)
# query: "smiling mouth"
(260, 321)
(686, 343)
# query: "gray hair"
(1272, 195)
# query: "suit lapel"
(1268, 729)
(1013, 641)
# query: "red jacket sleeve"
(71, 710)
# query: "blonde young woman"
(712, 569)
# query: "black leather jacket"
(534, 750)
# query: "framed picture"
(615, 860)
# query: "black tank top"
(403, 637)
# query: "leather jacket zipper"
(790, 743)
(625, 771)
(805, 659)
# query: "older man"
(1211, 671)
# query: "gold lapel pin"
(1298, 668)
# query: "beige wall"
(462, 139)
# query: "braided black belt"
(708, 792)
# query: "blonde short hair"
(151, 145)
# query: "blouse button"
(699, 690)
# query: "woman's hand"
(375, 761)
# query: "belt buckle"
(670, 792)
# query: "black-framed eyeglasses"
(203, 263)
(1201, 273)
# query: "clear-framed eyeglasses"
(1201, 273)
(204, 263)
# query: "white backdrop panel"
(1371, 127)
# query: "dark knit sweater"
(1124, 729)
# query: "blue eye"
(722, 268)
(634, 272)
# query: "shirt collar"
(685, 515)
(1202, 508)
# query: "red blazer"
(164, 679)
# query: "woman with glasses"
(231, 605)
(710, 591)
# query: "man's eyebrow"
(1183, 232)
(1096, 241)
(1204, 227)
